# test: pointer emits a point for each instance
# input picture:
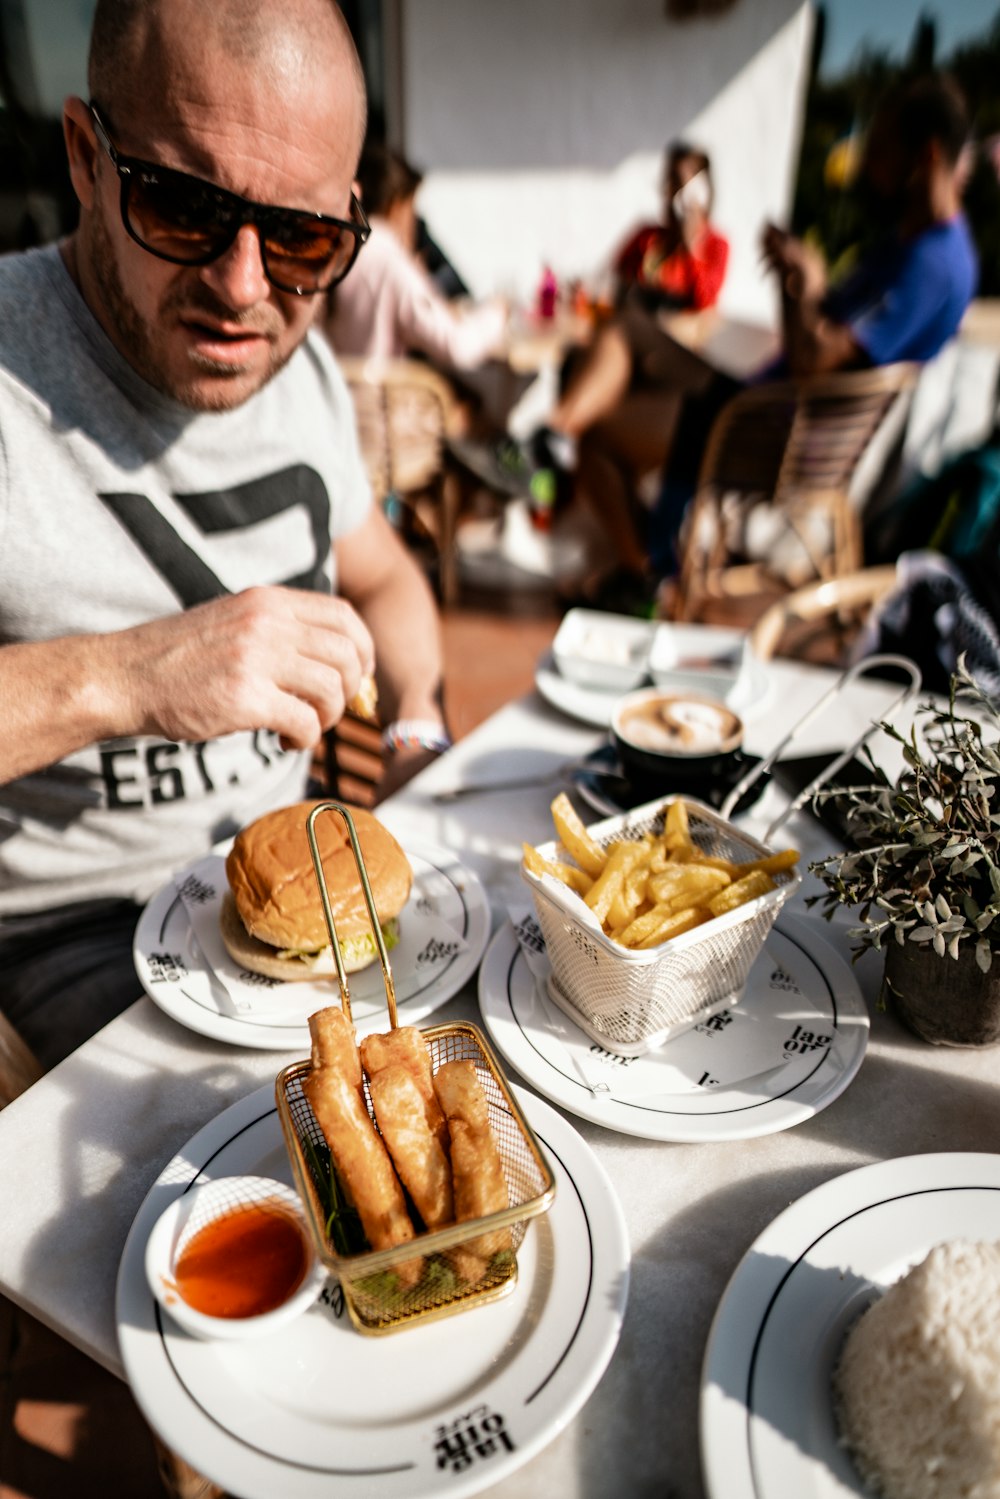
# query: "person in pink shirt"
(391, 306)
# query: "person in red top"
(684, 259)
(618, 410)
(615, 418)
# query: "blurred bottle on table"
(548, 294)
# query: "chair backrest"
(796, 437)
(773, 507)
(402, 410)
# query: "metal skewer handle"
(345, 995)
(859, 669)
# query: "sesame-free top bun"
(276, 898)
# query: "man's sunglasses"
(191, 222)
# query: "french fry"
(630, 897)
(645, 891)
(693, 881)
(574, 836)
(674, 924)
(676, 821)
(567, 873)
(773, 864)
(643, 926)
(748, 888)
(610, 882)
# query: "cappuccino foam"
(680, 726)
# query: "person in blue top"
(909, 290)
(903, 300)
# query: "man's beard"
(144, 345)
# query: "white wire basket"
(630, 1001)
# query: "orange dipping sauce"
(243, 1264)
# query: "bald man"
(193, 580)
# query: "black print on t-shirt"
(136, 779)
(217, 513)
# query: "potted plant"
(926, 873)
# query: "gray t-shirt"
(119, 506)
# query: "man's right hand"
(269, 658)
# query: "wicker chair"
(403, 412)
(841, 602)
(788, 452)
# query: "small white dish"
(608, 652)
(194, 1210)
(717, 669)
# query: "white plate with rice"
(768, 1426)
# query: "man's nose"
(237, 276)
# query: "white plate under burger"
(177, 976)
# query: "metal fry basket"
(630, 1001)
(453, 1268)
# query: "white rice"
(917, 1388)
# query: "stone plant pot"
(947, 1001)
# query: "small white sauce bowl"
(193, 1211)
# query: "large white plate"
(767, 1423)
(318, 1411)
(174, 973)
(593, 706)
(675, 1093)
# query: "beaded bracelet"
(416, 733)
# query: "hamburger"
(272, 915)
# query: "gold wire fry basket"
(375, 1283)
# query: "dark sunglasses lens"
(176, 216)
(191, 222)
(302, 255)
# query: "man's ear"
(81, 149)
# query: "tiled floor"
(69, 1430)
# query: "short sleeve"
(919, 307)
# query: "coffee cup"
(678, 741)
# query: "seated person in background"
(903, 301)
(682, 261)
(193, 579)
(906, 297)
(613, 421)
(391, 307)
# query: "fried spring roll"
(362, 1163)
(477, 1171)
(422, 1165)
(334, 1045)
(406, 1047)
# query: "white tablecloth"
(79, 1151)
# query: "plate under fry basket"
(454, 1268)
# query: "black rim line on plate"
(681, 1113)
(773, 1300)
(279, 1025)
(358, 1472)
